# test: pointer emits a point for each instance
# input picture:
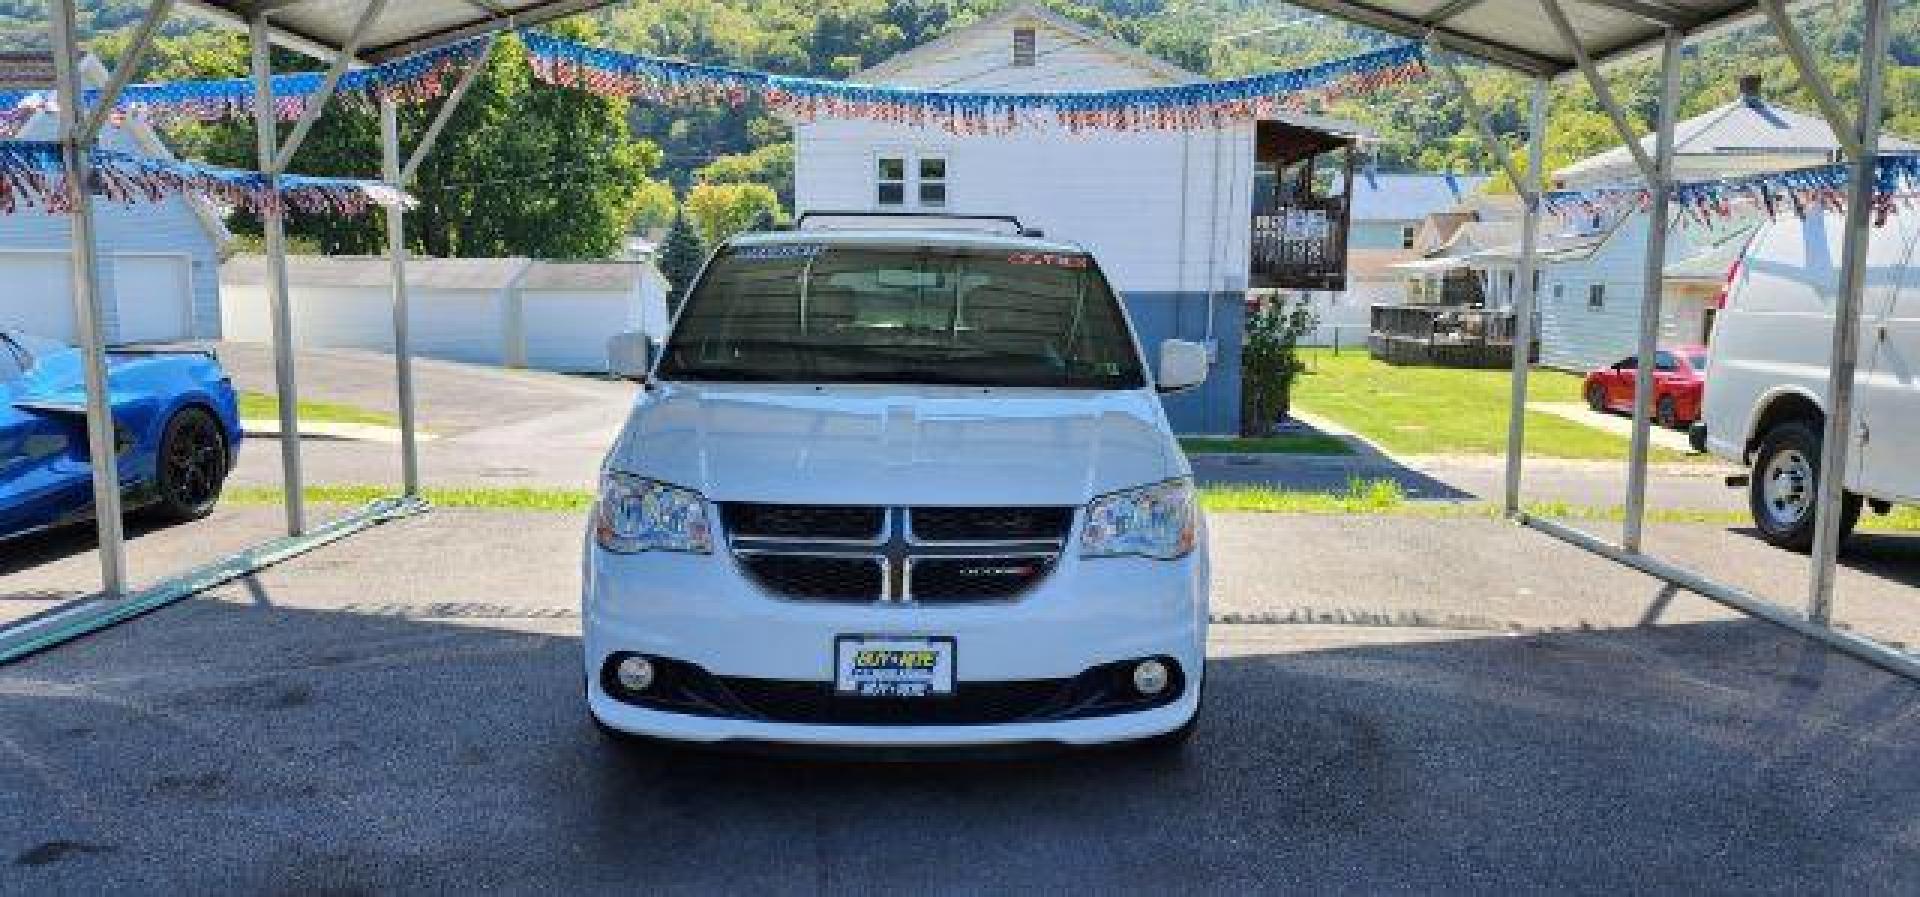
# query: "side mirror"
(1183, 365)
(630, 355)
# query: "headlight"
(637, 514)
(1154, 521)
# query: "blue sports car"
(177, 432)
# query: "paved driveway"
(400, 712)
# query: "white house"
(1593, 281)
(159, 262)
(515, 312)
(1167, 213)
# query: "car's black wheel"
(1667, 412)
(1596, 397)
(192, 466)
(1784, 482)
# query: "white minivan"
(901, 489)
(1766, 394)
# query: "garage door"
(34, 296)
(154, 299)
(568, 331)
(153, 296)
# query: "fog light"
(635, 673)
(1150, 677)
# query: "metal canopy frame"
(345, 35)
(1667, 25)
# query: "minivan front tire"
(1781, 491)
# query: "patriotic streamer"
(1214, 104)
(422, 76)
(33, 173)
(1799, 191)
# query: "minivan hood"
(886, 444)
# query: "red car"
(1679, 378)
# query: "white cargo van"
(1766, 394)
(899, 489)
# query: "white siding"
(169, 228)
(458, 325)
(568, 330)
(1146, 204)
(1575, 336)
(981, 60)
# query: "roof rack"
(800, 223)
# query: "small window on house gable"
(891, 180)
(1597, 295)
(1406, 236)
(1023, 52)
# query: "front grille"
(818, 577)
(804, 521)
(871, 553)
(688, 688)
(990, 524)
(974, 578)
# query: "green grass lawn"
(260, 406)
(1445, 411)
(1289, 444)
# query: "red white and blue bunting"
(420, 77)
(1799, 191)
(1210, 104)
(34, 174)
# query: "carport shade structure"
(1577, 37)
(346, 35)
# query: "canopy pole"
(74, 148)
(397, 255)
(1527, 300)
(1840, 429)
(273, 229)
(1660, 192)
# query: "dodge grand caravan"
(900, 489)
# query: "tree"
(721, 210)
(681, 256)
(771, 165)
(654, 206)
(1270, 361)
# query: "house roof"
(1711, 264)
(1409, 196)
(1377, 264)
(26, 70)
(1158, 68)
(490, 274)
(1749, 134)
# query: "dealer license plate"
(893, 667)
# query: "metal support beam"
(1864, 649)
(1557, 17)
(1660, 190)
(1840, 427)
(1480, 120)
(318, 102)
(273, 227)
(447, 108)
(1842, 124)
(397, 257)
(75, 152)
(1528, 300)
(123, 73)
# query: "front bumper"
(701, 610)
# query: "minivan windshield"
(814, 312)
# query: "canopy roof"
(1515, 34)
(323, 27)
(1511, 33)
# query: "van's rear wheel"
(1782, 490)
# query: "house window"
(1406, 236)
(892, 182)
(933, 182)
(1597, 295)
(1536, 281)
(1023, 54)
